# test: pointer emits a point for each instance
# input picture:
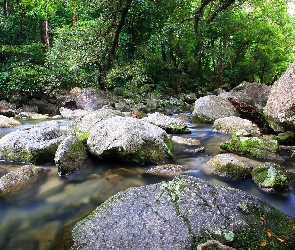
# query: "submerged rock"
(8, 122)
(209, 108)
(233, 123)
(271, 177)
(36, 144)
(226, 165)
(169, 124)
(168, 170)
(70, 155)
(20, 178)
(131, 140)
(258, 147)
(279, 109)
(185, 140)
(182, 214)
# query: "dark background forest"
(140, 46)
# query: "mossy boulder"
(169, 124)
(36, 144)
(19, 179)
(258, 147)
(183, 214)
(130, 140)
(209, 108)
(70, 156)
(285, 137)
(226, 165)
(271, 177)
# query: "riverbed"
(35, 218)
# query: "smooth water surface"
(34, 218)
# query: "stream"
(34, 218)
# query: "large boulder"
(209, 108)
(253, 93)
(280, 107)
(271, 177)
(82, 125)
(169, 124)
(234, 123)
(226, 165)
(183, 214)
(70, 156)
(91, 99)
(19, 179)
(130, 140)
(258, 147)
(8, 122)
(36, 144)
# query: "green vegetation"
(136, 47)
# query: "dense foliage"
(142, 45)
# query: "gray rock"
(70, 155)
(72, 114)
(168, 170)
(8, 122)
(234, 123)
(279, 109)
(185, 140)
(20, 178)
(91, 99)
(209, 108)
(169, 124)
(271, 177)
(36, 144)
(226, 165)
(182, 214)
(82, 125)
(253, 93)
(129, 139)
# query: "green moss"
(285, 138)
(84, 136)
(271, 176)
(253, 146)
(201, 119)
(232, 171)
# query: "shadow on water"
(34, 218)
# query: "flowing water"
(34, 218)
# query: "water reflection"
(34, 218)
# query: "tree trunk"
(44, 35)
(5, 8)
(118, 30)
(75, 17)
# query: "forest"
(133, 47)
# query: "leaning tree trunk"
(45, 35)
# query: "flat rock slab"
(182, 214)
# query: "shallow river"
(34, 219)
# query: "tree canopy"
(143, 45)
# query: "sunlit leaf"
(279, 239)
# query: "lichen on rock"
(271, 177)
